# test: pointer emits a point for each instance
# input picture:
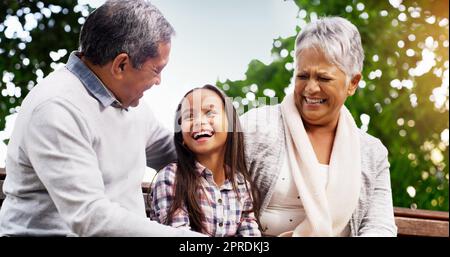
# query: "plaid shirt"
(225, 214)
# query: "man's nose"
(158, 79)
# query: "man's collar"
(92, 83)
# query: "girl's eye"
(302, 77)
(210, 113)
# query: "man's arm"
(160, 148)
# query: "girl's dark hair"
(187, 181)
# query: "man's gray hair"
(135, 27)
(339, 40)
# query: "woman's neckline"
(324, 165)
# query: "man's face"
(137, 81)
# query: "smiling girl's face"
(204, 122)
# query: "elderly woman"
(318, 174)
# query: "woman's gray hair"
(135, 27)
(339, 40)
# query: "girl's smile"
(202, 136)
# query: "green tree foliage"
(403, 98)
(35, 36)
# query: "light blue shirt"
(91, 81)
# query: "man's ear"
(119, 64)
(353, 84)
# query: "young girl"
(208, 190)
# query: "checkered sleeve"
(248, 226)
(163, 192)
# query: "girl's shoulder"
(171, 167)
(240, 179)
(167, 174)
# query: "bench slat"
(421, 227)
(420, 214)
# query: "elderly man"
(81, 142)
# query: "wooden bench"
(425, 223)
(410, 223)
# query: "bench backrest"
(412, 222)
(409, 222)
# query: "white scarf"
(328, 210)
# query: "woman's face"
(203, 122)
(320, 88)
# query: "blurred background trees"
(403, 98)
(35, 37)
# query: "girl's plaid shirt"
(226, 214)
